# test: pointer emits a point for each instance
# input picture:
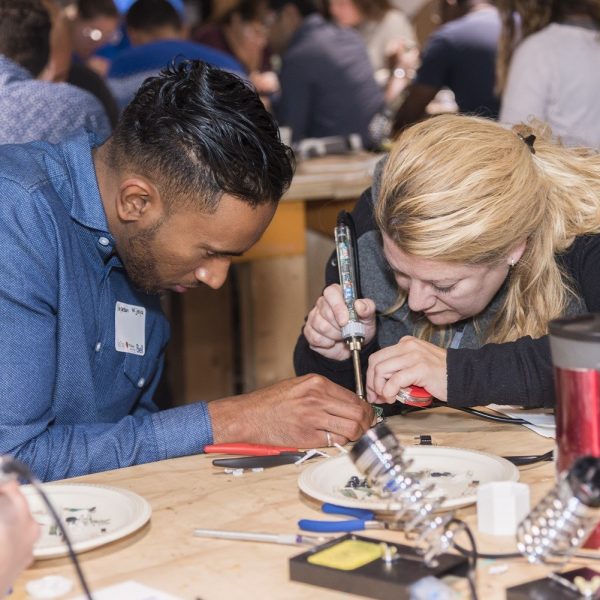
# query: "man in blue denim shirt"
(91, 236)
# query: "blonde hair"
(466, 190)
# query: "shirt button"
(103, 241)
(141, 382)
(98, 346)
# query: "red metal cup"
(575, 345)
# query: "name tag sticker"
(130, 328)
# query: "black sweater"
(517, 372)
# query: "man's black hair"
(25, 33)
(305, 7)
(148, 15)
(199, 132)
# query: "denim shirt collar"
(87, 207)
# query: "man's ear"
(138, 200)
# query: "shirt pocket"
(140, 370)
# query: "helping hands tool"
(354, 331)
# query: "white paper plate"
(456, 473)
(94, 515)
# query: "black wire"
(472, 554)
(483, 555)
(520, 461)
(13, 466)
(508, 555)
(489, 416)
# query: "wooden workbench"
(187, 493)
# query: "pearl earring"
(512, 263)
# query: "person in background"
(327, 81)
(241, 32)
(472, 238)
(552, 74)
(31, 109)
(158, 37)
(385, 30)
(460, 55)
(92, 235)
(18, 533)
(62, 68)
(95, 24)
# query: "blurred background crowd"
(324, 67)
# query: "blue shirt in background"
(461, 55)
(327, 83)
(70, 403)
(132, 66)
(32, 110)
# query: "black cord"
(520, 461)
(489, 416)
(22, 471)
(472, 554)
(466, 552)
(484, 555)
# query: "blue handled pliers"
(363, 519)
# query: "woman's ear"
(514, 256)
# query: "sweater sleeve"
(517, 372)
(520, 372)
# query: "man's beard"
(139, 260)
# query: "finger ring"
(329, 442)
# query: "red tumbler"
(575, 345)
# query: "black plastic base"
(541, 589)
(376, 579)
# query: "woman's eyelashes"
(443, 290)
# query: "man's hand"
(18, 532)
(323, 329)
(409, 362)
(297, 412)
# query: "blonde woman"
(470, 241)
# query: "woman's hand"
(323, 329)
(409, 362)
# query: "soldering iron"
(354, 331)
